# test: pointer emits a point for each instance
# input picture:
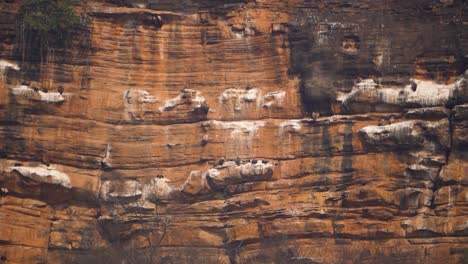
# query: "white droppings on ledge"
(136, 102)
(196, 183)
(29, 93)
(146, 97)
(366, 84)
(239, 35)
(170, 104)
(198, 101)
(248, 128)
(231, 172)
(213, 173)
(259, 169)
(239, 97)
(274, 99)
(4, 65)
(290, 126)
(359, 88)
(398, 130)
(186, 96)
(221, 177)
(43, 174)
(157, 188)
(427, 93)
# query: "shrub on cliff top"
(49, 16)
(47, 23)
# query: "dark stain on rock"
(329, 52)
(319, 147)
(347, 160)
(13, 143)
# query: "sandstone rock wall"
(185, 130)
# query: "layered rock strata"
(238, 132)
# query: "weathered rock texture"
(184, 129)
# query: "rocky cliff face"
(184, 134)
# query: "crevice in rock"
(437, 183)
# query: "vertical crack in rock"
(106, 158)
(437, 182)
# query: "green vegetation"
(48, 23)
(49, 16)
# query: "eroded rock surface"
(238, 132)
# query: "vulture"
(414, 86)
(60, 90)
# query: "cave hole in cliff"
(318, 104)
(350, 43)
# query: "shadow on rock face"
(331, 52)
